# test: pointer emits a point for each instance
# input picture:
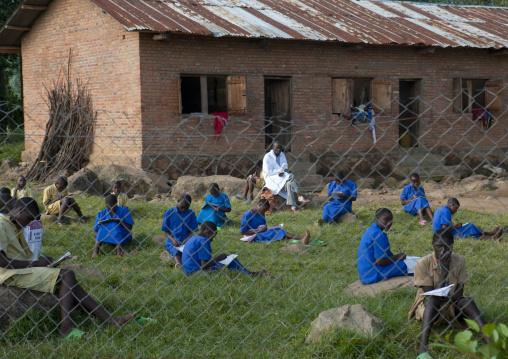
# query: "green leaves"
(463, 342)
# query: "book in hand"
(279, 226)
(411, 263)
(60, 260)
(180, 249)
(228, 259)
(336, 194)
(439, 292)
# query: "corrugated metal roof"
(348, 21)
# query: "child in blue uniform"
(178, 225)
(414, 200)
(113, 225)
(254, 224)
(443, 219)
(197, 253)
(216, 206)
(375, 260)
(341, 193)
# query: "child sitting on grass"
(178, 225)
(254, 226)
(123, 200)
(256, 180)
(341, 194)
(21, 190)
(58, 201)
(17, 270)
(414, 200)
(113, 225)
(216, 206)
(197, 254)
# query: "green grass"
(232, 315)
(12, 146)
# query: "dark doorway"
(278, 123)
(409, 113)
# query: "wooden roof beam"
(10, 50)
(17, 28)
(34, 7)
(500, 52)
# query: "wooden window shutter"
(382, 95)
(457, 95)
(493, 96)
(237, 97)
(341, 95)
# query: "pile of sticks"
(69, 131)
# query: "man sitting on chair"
(279, 180)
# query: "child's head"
(263, 206)
(111, 201)
(339, 176)
(453, 205)
(6, 202)
(384, 218)
(415, 179)
(25, 211)
(214, 189)
(61, 183)
(442, 241)
(117, 187)
(21, 181)
(5, 190)
(208, 230)
(184, 202)
(259, 165)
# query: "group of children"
(192, 251)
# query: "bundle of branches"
(69, 131)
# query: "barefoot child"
(443, 219)
(254, 226)
(17, 270)
(439, 269)
(216, 206)
(21, 190)
(197, 254)
(375, 260)
(341, 194)
(113, 225)
(178, 225)
(58, 201)
(123, 200)
(256, 179)
(414, 200)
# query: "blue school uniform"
(444, 216)
(112, 232)
(337, 207)
(209, 214)
(408, 192)
(179, 224)
(252, 220)
(199, 248)
(374, 244)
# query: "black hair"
(5, 190)
(338, 174)
(259, 163)
(382, 212)
(185, 197)
(209, 226)
(29, 204)
(443, 234)
(62, 180)
(263, 202)
(214, 186)
(454, 201)
(278, 144)
(5, 199)
(414, 175)
(111, 200)
(117, 183)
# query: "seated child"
(123, 200)
(414, 200)
(197, 254)
(178, 225)
(21, 190)
(113, 225)
(216, 206)
(256, 179)
(254, 226)
(443, 219)
(375, 260)
(436, 270)
(341, 193)
(17, 270)
(58, 201)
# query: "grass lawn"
(232, 315)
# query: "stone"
(391, 182)
(403, 183)
(431, 185)
(439, 194)
(165, 257)
(448, 180)
(501, 191)
(348, 218)
(365, 183)
(83, 271)
(8, 165)
(372, 290)
(197, 187)
(10, 170)
(317, 202)
(355, 318)
(14, 302)
(483, 185)
(87, 181)
(294, 248)
(141, 198)
(159, 239)
(472, 179)
(462, 171)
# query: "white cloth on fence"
(372, 127)
(271, 172)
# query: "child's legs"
(96, 249)
(420, 214)
(429, 213)
(251, 189)
(178, 258)
(467, 307)
(119, 250)
(74, 205)
(430, 315)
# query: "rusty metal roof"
(348, 21)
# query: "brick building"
(280, 69)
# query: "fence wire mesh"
(457, 150)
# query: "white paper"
(180, 249)
(335, 194)
(439, 292)
(247, 238)
(229, 259)
(411, 263)
(284, 167)
(279, 226)
(61, 259)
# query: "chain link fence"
(227, 313)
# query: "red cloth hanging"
(219, 123)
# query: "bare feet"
(261, 273)
(498, 234)
(94, 255)
(305, 239)
(123, 319)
